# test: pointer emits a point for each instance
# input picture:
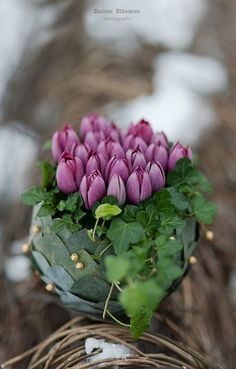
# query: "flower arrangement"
(115, 220)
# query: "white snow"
(17, 268)
(109, 350)
(18, 151)
(172, 23)
(180, 103)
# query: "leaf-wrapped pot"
(68, 261)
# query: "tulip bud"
(142, 129)
(63, 141)
(93, 138)
(96, 161)
(82, 151)
(93, 122)
(138, 186)
(116, 188)
(160, 137)
(92, 188)
(110, 148)
(69, 173)
(157, 175)
(135, 158)
(114, 132)
(177, 152)
(117, 166)
(158, 152)
(131, 142)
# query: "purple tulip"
(63, 141)
(96, 161)
(69, 173)
(114, 132)
(142, 129)
(160, 137)
(82, 151)
(135, 158)
(138, 186)
(92, 188)
(158, 152)
(93, 138)
(116, 188)
(157, 175)
(117, 166)
(93, 122)
(131, 142)
(177, 152)
(110, 148)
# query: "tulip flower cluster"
(102, 160)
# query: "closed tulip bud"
(117, 189)
(92, 188)
(160, 137)
(131, 142)
(69, 173)
(135, 158)
(93, 138)
(142, 129)
(177, 152)
(82, 151)
(157, 175)
(110, 148)
(93, 122)
(114, 132)
(117, 166)
(158, 152)
(138, 186)
(96, 161)
(63, 141)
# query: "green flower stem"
(107, 301)
(94, 229)
(117, 320)
(104, 250)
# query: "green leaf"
(33, 196)
(182, 173)
(167, 248)
(91, 288)
(148, 219)
(40, 261)
(140, 295)
(162, 200)
(73, 202)
(122, 234)
(47, 145)
(107, 211)
(178, 199)
(116, 268)
(60, 277)
(169, 223)
(130, 212)
(80, 241)
(202, 182)
(168, 272)
(140, 321)
(112, 200)
(203, 209)
(47, 173)
(59, 224)
(46, 209)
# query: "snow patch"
(109, 350)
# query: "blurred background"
(172, 62)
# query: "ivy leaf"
(203, 209)
(107, 211)
(34, 195)
(168, 272)
(162, 200)
(170, 222)
(148, 219)
(167, 248)
(73, 202)
(182, 173)
(122, 234)
(130, 212)
(59, 224)
(140, 320)
(116, 268)
(178, 199)
(146, 294)
(46, 209)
